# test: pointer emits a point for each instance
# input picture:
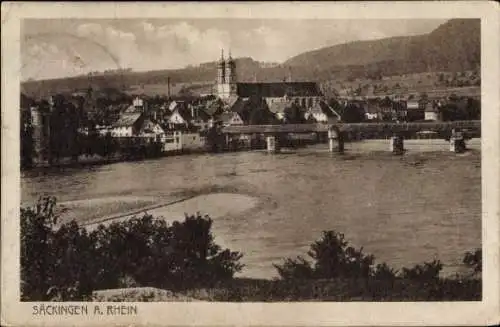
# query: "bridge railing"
(411, 127)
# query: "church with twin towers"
(305, 94)
(226, 77)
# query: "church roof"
(275, 90)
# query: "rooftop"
(323, 107)
(127, 119)
(278, 90)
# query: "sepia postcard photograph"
(282, 164)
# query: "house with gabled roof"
(180, 118)
(229, 118)
(151, 130)
(127, 125)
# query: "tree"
(257, 111)
(429, 271)
(332, 258)
(335, 105)
(215, 139)
(473, 109)
(26, 138)
(293, 269)
(352, 113)
(65, 262)
(294, 114)
(474, 260)
(424, 96)
(55, 263)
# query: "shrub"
(298, 268)
(66, 262)
(340, 272)
(332, 258)
(428, 271)
(384, 272)
(474, 260)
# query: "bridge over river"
(336, 132)
(357, 127)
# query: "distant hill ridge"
(453, 46)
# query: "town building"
(415, 110)
(135, 122)
(183, 141)
(128, 125)
(321, 112)
(372, 109)
(230, 119)
(179, 118)
(432, 112)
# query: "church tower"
(226, 77)
(231, 75)
(230, 70)
(221, 71)
(221, 64)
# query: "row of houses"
(138, 121)
(179, 124)
(184, 115)
(387, 109)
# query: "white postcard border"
(283, 314)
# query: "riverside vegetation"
(65, 262)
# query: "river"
(404, 210)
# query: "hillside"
(453, 46)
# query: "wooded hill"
(453, 46)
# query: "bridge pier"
(396, 145)
(272, 144)
(457, 141)
(335, 140)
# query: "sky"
(54, 48)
